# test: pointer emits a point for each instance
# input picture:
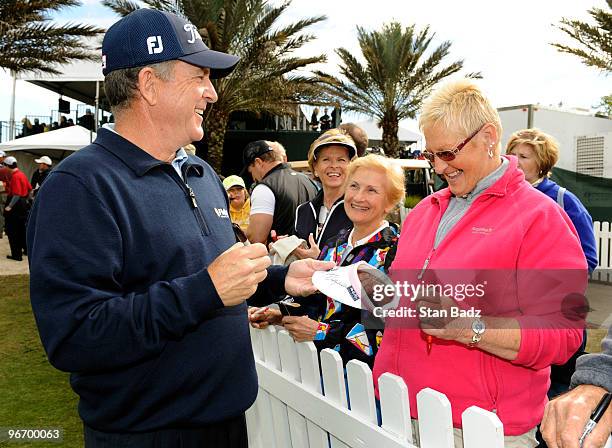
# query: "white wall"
(564, 126)
(607, 154)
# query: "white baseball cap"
(44, 159)
(344, 284)
(2, 154)
(10, 161)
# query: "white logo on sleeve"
(155, 44)
(221, 213)
(194, 33)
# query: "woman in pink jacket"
(497, 276)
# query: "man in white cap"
(137, 285)
(39, 176)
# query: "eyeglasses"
(450, 154)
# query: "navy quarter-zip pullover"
(119, 245)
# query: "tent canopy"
(57, 144)
(77, 80)
(375, 133)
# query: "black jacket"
(290, 189)
(307, 219)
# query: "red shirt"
(19, 185)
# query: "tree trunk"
(216, 124)
(390, 127)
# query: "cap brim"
(220, 64)
(352, 149)
(244, 171)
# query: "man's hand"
(298, 282)
(237, 272)
(566, 416)
(303, 253)
(263, 317)
(8, 209)
(301, 328)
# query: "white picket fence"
(291, 411)
(603, 238)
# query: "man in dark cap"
(140, 292)
(278, 192)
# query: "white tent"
(57, 144)
(375, 133)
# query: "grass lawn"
(33, 394)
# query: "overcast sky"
(508, 42)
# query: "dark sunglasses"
(450, 154)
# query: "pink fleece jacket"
(514, 232)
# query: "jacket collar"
(280, 166)
(383, 237)
(317, 201)
(135, 158)
(512, 177)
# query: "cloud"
(509, 42)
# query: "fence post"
(435, 420)
(291, 367)
(333, 383)
(481, 429)
(395, 406)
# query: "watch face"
(478, 326)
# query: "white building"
(585, 140)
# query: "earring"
(490, 151)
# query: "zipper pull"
(192, 196)
(420, 276)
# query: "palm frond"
(29, 40)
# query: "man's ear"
(148, 85)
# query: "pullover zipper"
(191, 197)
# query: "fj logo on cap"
(194, 33)
(154, 44)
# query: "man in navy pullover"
(136, 284)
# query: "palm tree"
(595, 41)
(267, 79)
(396, 77)
(29, 41)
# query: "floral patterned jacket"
(340, 326)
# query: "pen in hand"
(596, 416)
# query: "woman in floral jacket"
(374, 187)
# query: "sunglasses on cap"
(450, 154)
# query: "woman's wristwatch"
(478, 329)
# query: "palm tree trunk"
(390, 127)
(216, 124)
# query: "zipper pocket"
(196, 210)
(491, 381)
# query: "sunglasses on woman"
(450, 154)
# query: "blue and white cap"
(148, 36)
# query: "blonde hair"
(277, 148)
(394, 174)
(545, 148)
(330, 137)
(459, 105)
